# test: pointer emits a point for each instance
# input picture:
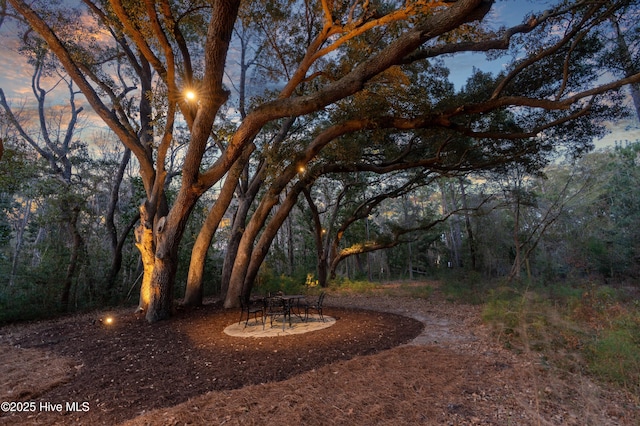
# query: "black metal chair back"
(276, 306)
(245, 306)
(316, 306)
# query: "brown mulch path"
(132, 367)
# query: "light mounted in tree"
(190, 95)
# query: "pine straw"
(408, 385)
(405, 385)
(456, 373)
(27, 373)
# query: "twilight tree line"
(242, 118)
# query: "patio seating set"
(280, 305)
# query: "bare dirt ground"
(388, 360)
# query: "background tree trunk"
(76, 248)
(116, 243)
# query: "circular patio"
(255, 328)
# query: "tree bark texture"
(259, 253)
(194, 290)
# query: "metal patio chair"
(316, 306)
(250, 309)
(276, 306)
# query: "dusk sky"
(16, 74)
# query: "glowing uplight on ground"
(108, 320)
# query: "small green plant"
(615, 354)
(269, 283)
(416, 291)
(505, 313)
(356, 286)
(465, 287)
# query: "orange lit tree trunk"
(259, 252)
(169, 231)
(194, 290)
(247, 193)
(245, 247)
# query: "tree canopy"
(272, 98)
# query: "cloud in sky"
(16, 73)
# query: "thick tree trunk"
(146, 245)
(259, 253)
(237, 229)
(243, 254)
(194, 291)
(169, 231)
(255, 224)
(323, 272)
(243, 257)
(239, 222)
(146, 239)
(335, 254)
(238, 273)
(161, 300)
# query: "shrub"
(345, 285)
(615, 354)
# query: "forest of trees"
(243, 142)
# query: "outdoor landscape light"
(108, 320)
(190, 95)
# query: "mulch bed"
(132, 367)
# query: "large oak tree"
(142, 55)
